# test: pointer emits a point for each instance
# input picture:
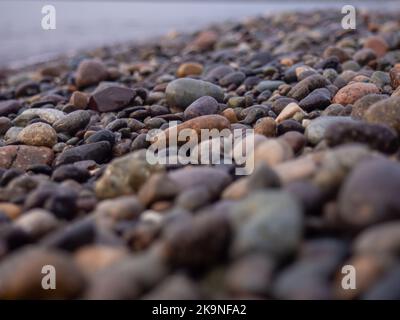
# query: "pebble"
(79, 100)
(72, 122)
(181, 93)
(101, 135)
(376, 136)
(38, 134)
(203, 106)
(11, 210)
(377, 44)
(362, 105)
(385, 112)
(307, 85)
(111, 98)
(266, 127)
(368, 194)
(378, 240)
(23, 157)
(315, 131)
(37, 223)
(21, 275)
(90, 72)
(70, 171)
(46, 114)
(94, 258)
(268, 222)
(189, 69)
(352, 92)
(197, 243)
(97, 151)
(317, 99)
(288, 112)
(9, 106)
(125, 175)
(394, 77)
(5, 124)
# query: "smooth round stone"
(352, 92)
(101, 135)
(385, 112)
(370, 268)
(316, 129)
(37, 222)
(21, 275)
(369, 194)
(377, 44)
(267, 222)
(318, 99)
(380, 239)
(79, 100)
(213, 179)
(97, 151)
(295, 139)
(270, 85)
(70, 171)
(181, 93)
(72, 122)
(376, 136)
(206, 235)
(266, 127)
(307, 85)
(387, 288)
(234, 78)
(23, 157)
(46, 114)
(289, 111)
(175, 287)
(5, 124)
(94, 258)
(203, 106)
(111, 98)
(90, 72)
(129, 279)
(38, 134)
(271, 152)
(188, 69)
(252, 275)
(362, 105)
(11, 210)
(157, 188)
(9, 106)
(125, 175)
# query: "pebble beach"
(77, 192)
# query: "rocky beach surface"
(77, 192)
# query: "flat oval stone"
(352, 92)
(23, 157)
(9, 106)
(111, 98)
(21, 275)
(46, 114)
(202, 106)
(181, 93)
(307, 85)
(38, 134)
(268, 222)
(72, 122)
(315, 131)
(98, 151)
(385, 112)
(90, 72)
(370, 193)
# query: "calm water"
(88, 24)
